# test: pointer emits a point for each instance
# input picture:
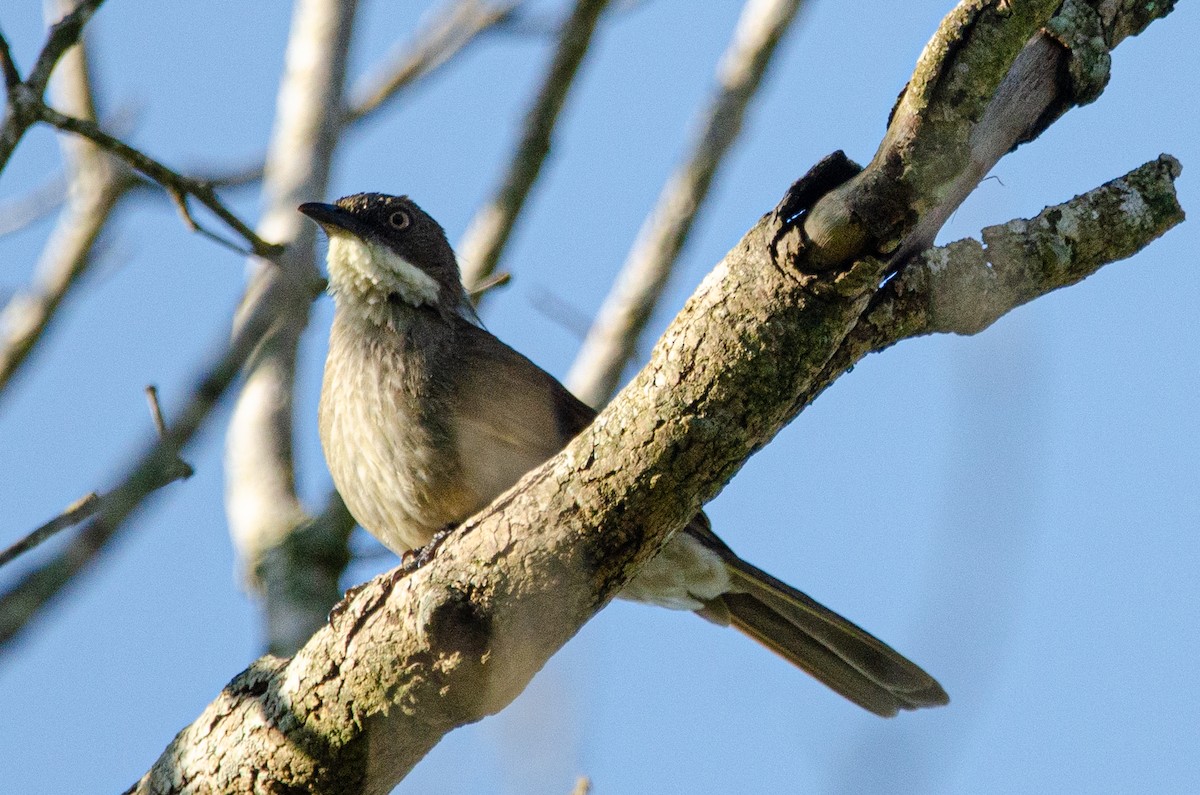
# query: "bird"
(425, 417)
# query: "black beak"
(331, 217)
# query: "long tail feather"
(845, 657)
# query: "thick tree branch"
(614, 335)
(455, 635)
(260, 494)
(446, 643)
(993, 76)
(484, 241)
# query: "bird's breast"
(391, 457)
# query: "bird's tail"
(847, 658)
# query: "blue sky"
(1016, 511)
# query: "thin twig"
(491, 283)
(177, 185)
(156, 410)
(480, 249)
(621, 321)
(91, 504)
(155, 468)
(63, 35)
(79, 510)
(12, 77)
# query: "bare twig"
(12, 77)
(76, 512)
(614, 334)
(91, 504)
(448, 34)
(156, 410)
(491, 283)
(480, 249)
(177, 186)
(26, 106)
(155, 468)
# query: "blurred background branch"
(453, 28)
(483, 243)
(260, 491)
(158, 465)
(95, 181)
(614, 334)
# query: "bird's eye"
(399, 220)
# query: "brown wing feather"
(510, 414)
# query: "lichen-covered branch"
(480, 249)
(260, 494)
(618, 326)
(992, 77)
(454, 635)
(965, 286)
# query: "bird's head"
(385, 248)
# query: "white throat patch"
(372, 271)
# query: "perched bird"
(425, 418)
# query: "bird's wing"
(509, 416)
